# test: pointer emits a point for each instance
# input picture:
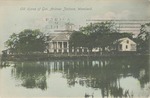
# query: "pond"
(101, 77)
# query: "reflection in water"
(103, 74)
(32, 74)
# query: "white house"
(126, 44)
(58, 43)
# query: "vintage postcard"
(74, 49)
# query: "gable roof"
(125, 38)
(119, 41)
(61, 37)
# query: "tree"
(144, 38)
(99, 34)
(11, 43)
(77, 39)
(27, 41)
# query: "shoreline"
(37, 57)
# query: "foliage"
(144, 38)
(27, 41)
(97, 35)
(77, 39)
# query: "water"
(112, 77)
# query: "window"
(80, 50)
(85, 50)
(59, 50)
(126, 46)
(65, 44)
(55, 50)
(127, 41)
(59, 44)
(54, 45)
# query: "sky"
(17, 15)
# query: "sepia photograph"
(74, 48)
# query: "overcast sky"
(17, 15)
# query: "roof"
(61, 37)
(122, 39)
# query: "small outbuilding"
(126, 44)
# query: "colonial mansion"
(58, 42)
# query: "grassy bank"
(45, 56)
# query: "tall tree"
(97, 35)
(77, 39)
(11, 43)
(27, 41)
(144, 38)
(100, 33)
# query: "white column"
(52, 47)
(149, 71)
(72, 49)
(67, 46)
(88, 50)
(77, 49)
(48, 47)
(62, 47)
(57, 47)
(82, 50)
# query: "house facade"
(126, 44)
(58, 43)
